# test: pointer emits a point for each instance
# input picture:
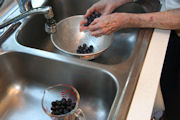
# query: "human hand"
(108, 24)
(101, 7)
(104, 7)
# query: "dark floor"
(170, 78)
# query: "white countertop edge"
(145, 93)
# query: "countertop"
(147, 86)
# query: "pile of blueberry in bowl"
(84, 49)
(62, 106)
(61, 102)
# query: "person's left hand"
(107, 24)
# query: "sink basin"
(106, 84)
(23, 78)
(32, 33)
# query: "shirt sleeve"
(171, 4)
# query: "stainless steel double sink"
(29, 63)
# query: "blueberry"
(93, 15)
(81, 50)
(61, 111)
(86, 24)
(73, 105)
(90, 50)
(63, 101)
(88, 17)
(69, 100)
(53, 112)
(87, 50)
(91, 47)
(57, 107)
(84, 45)
(62, 107)
(53, 103)
(57, 112)
(53, 108)
(70, 108)
(69, 103)
(84, 51)
(59, 102)
(79, 47)
(65, 111)
(78, 51)
(90, 20)
(98, 14)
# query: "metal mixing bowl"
(68, 37)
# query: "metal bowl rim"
(76, 54)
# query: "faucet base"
(50, 26)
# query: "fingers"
(82, 28)
(95, 29)
(83, 22)
(97, 33)
(94, 26)
(91, 27)
(89, 11)
(95, 21)
(105, 13)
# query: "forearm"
(163, 20)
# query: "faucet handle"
(50, 26)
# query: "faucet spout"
(46, 11)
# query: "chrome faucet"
(24, 5)
(50, 26)
(1, 2)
